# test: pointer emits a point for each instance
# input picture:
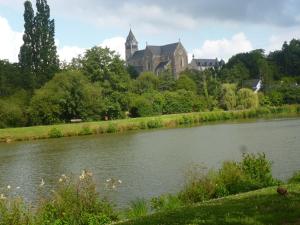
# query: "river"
(149, 163)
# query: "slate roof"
(131, 37)
(164, 50)
(206, 62)
(138, 54)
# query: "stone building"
(203, 64)
(156, 58)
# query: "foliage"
(14, 211)
(228, 97)
(67, 96)
(295, 178)
(138, 208)
(105, 66)
(247, 99)
(253, 172)
(38, 55)
(165, 203)
(253, 208)
(186, 83)
(55, 133)
(147, 104)
(75, 201)
(146, 82)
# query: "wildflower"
(83, 175)
(113, 186)
(2, 197)
(108, 180)
(42, 183)
(8, 186)
(64, 176)
(119, 181)
(60, 180)
(18, 187)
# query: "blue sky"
(207, 29)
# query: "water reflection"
(149, 163)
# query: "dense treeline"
(99, 85)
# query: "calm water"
(149, 163)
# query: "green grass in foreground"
(118, 126)
(259, 207)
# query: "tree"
(67, 96)
(186, 83)
(27, 50)
(246, 99)
(147, 81)
(228, 97)
(38, 54)
(105, 66)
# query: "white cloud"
(67, 53)
(276, 41)
(10, 41)
(224, 48)
(116, 44)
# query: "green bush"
(112, 128)
(85, 130)
(75, 201)
(295, 178)
(253, 172)
(55, 133)
(165, 203)
(154, 123)
(138, 208)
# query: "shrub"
(165, 203)
(85, 130)
(154, 123)
(14, 211)
(55, 133)
(295, 178)
(247, 99)
(112, 128)
(258, 168)
(75, 201)
(138, 208)
(253, 172)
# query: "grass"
(259, 207)
(118, 126)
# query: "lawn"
(259, 207)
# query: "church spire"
(131, 45)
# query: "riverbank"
(264, 206)
(164, 121)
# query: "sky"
(207, 29)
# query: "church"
(156, 58)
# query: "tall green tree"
(38, 54)
(27, 50)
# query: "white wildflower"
(60, 180)
(2, 197)
(18, 187)
(8, 186)
(119, 181)
(42, 183)
(108, 180)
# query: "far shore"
(9, 135)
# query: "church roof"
(131, 37)
(206, 62)
(163, 50)
(138, 54)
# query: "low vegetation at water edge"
(209, 197)
(164, 121)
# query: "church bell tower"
(131, 45)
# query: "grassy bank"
(118, 126)
(259, 207)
